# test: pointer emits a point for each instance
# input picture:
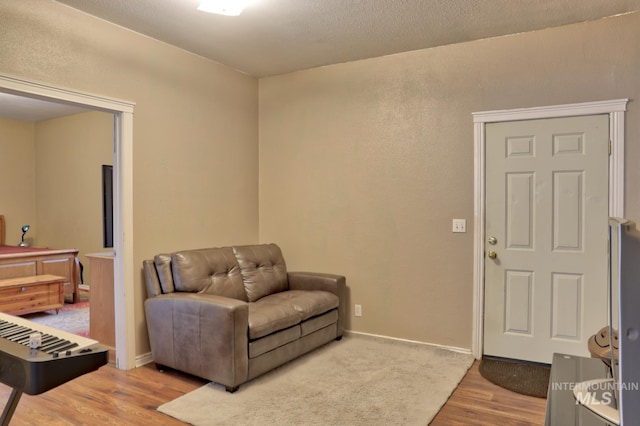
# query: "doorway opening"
(123, 197)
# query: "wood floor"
(105, 397)
(114, 397)
(478, 402)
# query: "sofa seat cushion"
(267, 318)
(316, 323)
(267, 343)
(307, 303)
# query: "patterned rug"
(73, 317)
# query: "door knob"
(493, 254)
(493, 241)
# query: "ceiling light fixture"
(223, 7)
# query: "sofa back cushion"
(263, 270)
(163, 267)
(210, 271)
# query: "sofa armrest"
(201, 334)
(336, 284)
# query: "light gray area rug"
(357, 381)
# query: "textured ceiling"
(280, 36)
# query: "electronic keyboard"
(35, 358)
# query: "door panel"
(566, 305)
(547, 207)
(520, 202)
(518, 306)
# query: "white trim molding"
(144, 359)
(614, 108)
(43, 91)
(406, 341)
(124, 270)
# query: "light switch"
(459, 225)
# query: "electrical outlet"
(459, 225)
(358, 311)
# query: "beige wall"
(17, 199)
(363, 165)
(69, 154)
(195, 147)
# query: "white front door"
(546, 230)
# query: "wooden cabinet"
(27, 261)
(102, 312)
(25, 295)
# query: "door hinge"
(609, 147)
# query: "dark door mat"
(522, 377)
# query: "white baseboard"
(144, 359)
(147, 358)
(415, 342)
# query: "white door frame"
(122, 197)
(615, 109)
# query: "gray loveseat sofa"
(230, 314)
